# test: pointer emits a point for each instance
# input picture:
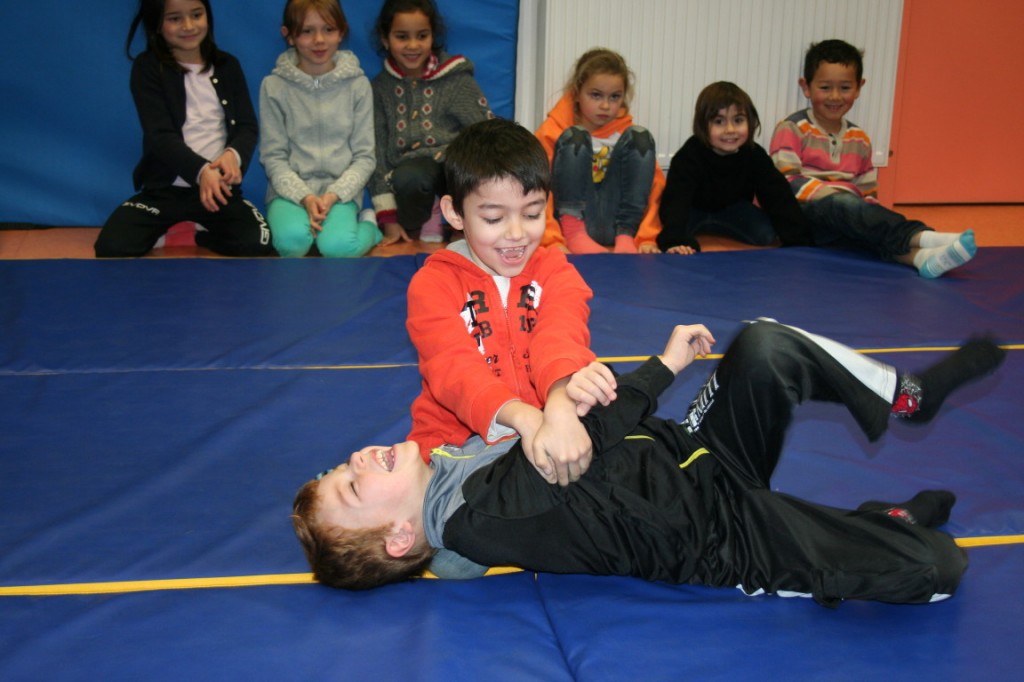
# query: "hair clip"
(324, 473)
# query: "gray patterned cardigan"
(420, 117)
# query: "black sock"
(920, 396)
(930, 508)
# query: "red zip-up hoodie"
(476, 353)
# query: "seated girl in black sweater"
(717, 174)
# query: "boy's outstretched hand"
(688, 341)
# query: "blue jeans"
(844, 220)
(741, 221)
(618, 203)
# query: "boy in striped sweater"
(827, 160)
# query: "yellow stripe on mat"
(294, 578)
(991, 540)
(151, 585)
(399, 365)
(865, 351)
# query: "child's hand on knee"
(213, 191)
(229, 167)
(314, 206)
(328, 200)
(394, 233)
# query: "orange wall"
(957, 123)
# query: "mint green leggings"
(342, 237)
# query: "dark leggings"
(237, 229)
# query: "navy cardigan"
(159, 94)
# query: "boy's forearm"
(522, 417)
(651, 378)
(558, 403)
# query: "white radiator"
(676, 47)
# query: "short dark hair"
(351, 559)
(833, 51)
(390, 8)
(491, 150)
(718, 96)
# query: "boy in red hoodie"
(499, 322)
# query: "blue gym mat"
(157, 416)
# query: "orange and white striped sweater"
(818, 163)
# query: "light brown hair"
(600, 60)
(329, 10)
(352, 559)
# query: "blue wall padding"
(71, 136)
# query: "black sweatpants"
(775, 542)
(237, 229)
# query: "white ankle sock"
(367, 215)
(930, 238)
(937, 261)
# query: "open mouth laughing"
(385, 458)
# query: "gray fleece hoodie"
(316, 133)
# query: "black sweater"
(699, 178)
